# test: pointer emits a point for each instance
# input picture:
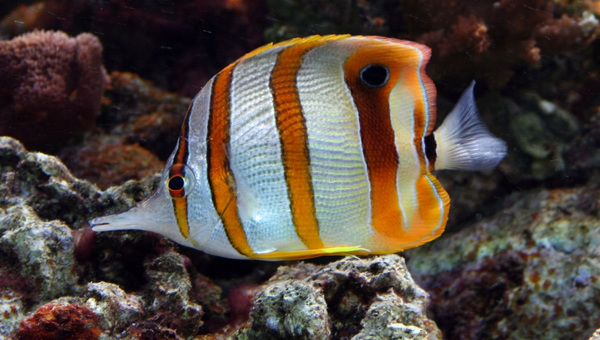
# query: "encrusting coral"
(50, 87)
(60, 321)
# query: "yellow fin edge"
(309, 253)
(312, 38)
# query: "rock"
(116, 310)
(11, 311)
(40, 201)
(536, 263)
(348, 298)
(390, 317)
(168, 296)
(290, 310)
(40, 251)
(43, 183)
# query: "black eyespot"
(375, 75)
(176, 183)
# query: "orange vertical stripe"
(405, 62)
(182, 147)
(180, 200)
(294, 141)
(378, 141)
(220, 177)
(180, 207)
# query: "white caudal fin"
(463, 142)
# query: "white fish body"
(314, 146)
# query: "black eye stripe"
(374, 75)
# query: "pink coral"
(188, 38)
(50, 87)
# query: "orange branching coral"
(488, 40)
(50, 87)
(60, 321)
(468, 34)
(563, 34)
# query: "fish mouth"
(120, 221)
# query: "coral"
(60, 321)
(566, 33)
(111, 164)
(535, 263)
(293, 19)
(342, 299)
(471, 39)
(490, 39)
(143, 122)
(51, 87)
(188, 38)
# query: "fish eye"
(176, 183)
(181, 180)
(375, 75)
